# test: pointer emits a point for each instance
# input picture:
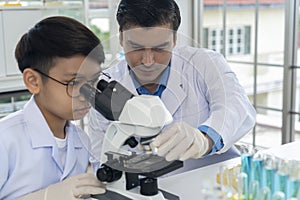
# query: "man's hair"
(56, 37)
(148, 13)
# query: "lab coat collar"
(41, 135)
(173, 95)
(38, 129)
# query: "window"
(237, 42)
(259, 45)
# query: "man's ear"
(32, 80)
(174, 39)
(121, 38)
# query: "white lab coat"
(29, 157)
(201, 90)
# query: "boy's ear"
(32, 80)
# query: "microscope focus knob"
(132, 142)
(107, 174)
(149, 186)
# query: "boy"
(42, 153)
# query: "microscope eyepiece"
(102, 84)
(109, 98)
(88, 92)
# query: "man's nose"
(148, 57)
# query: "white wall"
(14, 22)
(185, 29)
(2, 57)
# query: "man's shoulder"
(196, 56)
(191, 51)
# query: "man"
(209, 107)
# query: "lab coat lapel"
(73, 145)
(174, 95)
(127, 82)
(39, 131)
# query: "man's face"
(148, 51)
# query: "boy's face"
(65, 102)
(148, 51)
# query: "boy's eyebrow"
(132, 43)
(76, 74)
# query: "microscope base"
(111, 195)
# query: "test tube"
(223, 170)
(254, 190)
(242, 181)
(293, 190)
(247, 153)
(278, 196)
(281, 176)
(265, 194)
(226, 183)
(257, 168)
(269, 172)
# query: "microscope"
(130, 166)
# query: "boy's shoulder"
(11, 119)
(11, 124)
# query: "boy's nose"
(81, 97)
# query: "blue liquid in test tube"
(257, 170)
(246, 165)
(281, 176)
(294, 180)
(281, 182)
(269, 170)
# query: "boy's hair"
(56, 37)
(148, 13)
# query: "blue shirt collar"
(163, 79)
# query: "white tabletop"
(189, 185)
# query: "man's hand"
(71, 188)
(181, 141)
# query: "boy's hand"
(71, 188)
(181, 141)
